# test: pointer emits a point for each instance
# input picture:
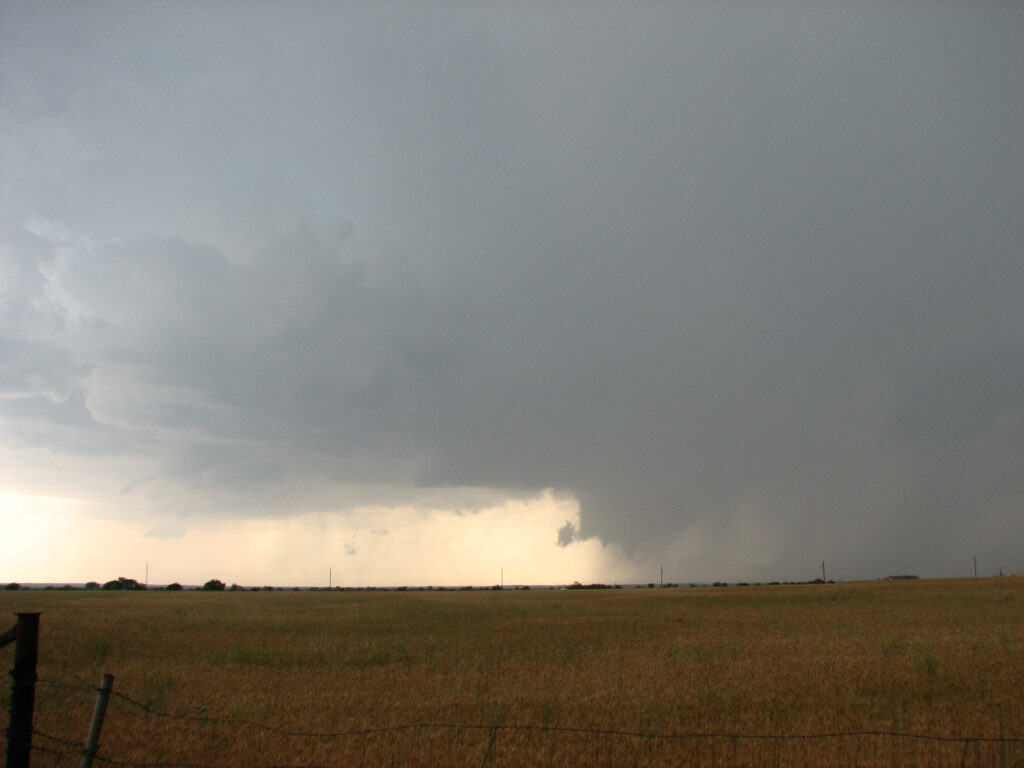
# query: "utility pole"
(975, 566)
(823, 571)
(330, 577)
(147, 574)
(661, 579)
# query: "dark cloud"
(716, 271)
(567, 534)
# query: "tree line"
(122, 583)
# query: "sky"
(442, 293)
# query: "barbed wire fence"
(63, 750)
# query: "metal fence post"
(23, 690)
(92, 742)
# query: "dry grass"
(944, 658)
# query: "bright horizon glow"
(369, 546)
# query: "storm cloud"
(748, 282)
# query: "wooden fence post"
(23, 690)
(92, 742)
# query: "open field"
(936, 658)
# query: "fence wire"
(492, 729)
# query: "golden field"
(525, 668)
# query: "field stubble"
(939, 658)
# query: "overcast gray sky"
(745, 281)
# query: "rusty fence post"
(23, 689)
(92, 742)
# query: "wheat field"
(677, 676)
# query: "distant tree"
(175, 587)
(122, 583)
(92, 585)
(214, 585)
(235, 587)
(13, 585)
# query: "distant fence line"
(63, 746)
